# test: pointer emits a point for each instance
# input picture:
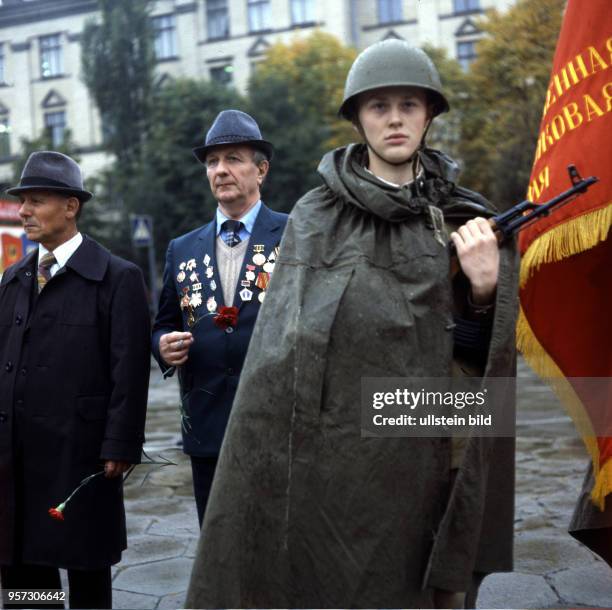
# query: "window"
(55, 124)
(466, 53)
(463, 6)
(217, 19)
(5, 137)
(2, 74)
(221, 74)
(259, 15)
(164, 27)
(50, 55)
(389, 11)
(302, 11)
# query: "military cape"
(304, 512)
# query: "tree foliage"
(507, 88)
(295, 95)
(118, 69)
(172, 184)
(446, 129)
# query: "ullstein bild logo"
(437, 406)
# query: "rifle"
(511, 221)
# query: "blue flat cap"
(233, 127)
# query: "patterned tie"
(231, 229)
(44, 266)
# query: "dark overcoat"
(210, 376)
(73, 388)
(304, 512)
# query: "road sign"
(142, 230)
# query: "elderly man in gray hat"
(74, 347)
(215, 281)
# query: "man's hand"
(114, 469)
(478, 253)
(174, 347)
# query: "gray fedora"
(233, 127)
(47, 170)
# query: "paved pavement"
(552, 570)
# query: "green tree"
(172, 185)
(446, 129)
(503, 108)
(118, 68)
(294, 95)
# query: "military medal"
(194, 277)
(263, 279)
(211, 304)
(206, 260)
(250, 275)
(182, 266)
(261, 297)
(259, 258)
(180, 277)
(191, 318)
(213, 285)
(209, 272)
(191, 264)
(196, 299)
(246, 294)
(185, 298)
(268, 267)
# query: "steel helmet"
(392, 63)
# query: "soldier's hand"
(478, 254)
(114, 468)
(174, 347)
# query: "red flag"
(565, 323)
(12, 250)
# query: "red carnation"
(57, 512)
(226, 317)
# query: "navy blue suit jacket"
(210, 376)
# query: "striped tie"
(44, 266)
(231, 229)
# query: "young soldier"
(306, 512)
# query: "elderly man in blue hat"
(215, 281)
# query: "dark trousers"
(203, 471)
(87, 588)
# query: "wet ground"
(551, 569)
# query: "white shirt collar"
(62, 253)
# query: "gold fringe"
(545, 367)
(603, 485)
(571, 237)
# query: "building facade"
(222, 40)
